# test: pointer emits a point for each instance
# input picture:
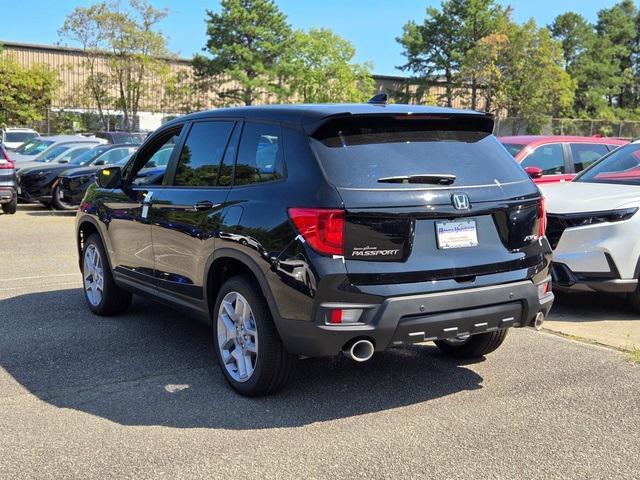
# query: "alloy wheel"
(237, 336)
(93, 275)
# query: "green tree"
(440, 45)
(321, 69)
(535, 86)
(83, 27)
(575, 34)
(246, 44)
(136, 52)
(25, 92)
(616, 28)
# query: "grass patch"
(634, 356)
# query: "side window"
(584, 154)
(226, 170)
(54, 152)
(259, 154)
(114, 155)
(71, 154)
(199, 162)
(550, 158)
(154, 161)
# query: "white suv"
(14, 137)
(594, 228)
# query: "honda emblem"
(460, 201)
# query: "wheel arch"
(87, 226)
(226, 263)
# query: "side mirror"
(99, 162)
(110, 177)
(534, 172)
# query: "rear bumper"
(7, 194)
(424, 317)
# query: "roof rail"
(379, 99)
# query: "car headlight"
(581, 220)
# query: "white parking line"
(35, 277)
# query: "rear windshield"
(513, 148)
(21, 137)
(366, 152)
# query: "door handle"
(146, 203)
(202, 206)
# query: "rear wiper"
(431, 178)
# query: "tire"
(265, 366)
(475, 346)
(634, 299)
(58, 202)
(11, 207)
(96, 272)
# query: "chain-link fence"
(571, 126)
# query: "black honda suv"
(310, 230)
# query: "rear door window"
(365, 152)
(259, 154)
(199, 163)
(584, 154)
(550, 158)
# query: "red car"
(557, 158)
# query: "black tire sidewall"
(114, 300)
(242, 285)
(57, 203)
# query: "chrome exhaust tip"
(360, 350)
(538, 321)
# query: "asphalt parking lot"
(139, 396)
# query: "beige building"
(70, 65)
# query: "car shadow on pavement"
(152, 367)
(592, 307)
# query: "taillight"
(322, 229)
(5, 161)
(542, 214)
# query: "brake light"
(542, 221)
(5, 161)
(322, 229)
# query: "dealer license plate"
(457, 234)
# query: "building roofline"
(182, 60)
(65, 49)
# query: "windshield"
(34, 147)
(513, 148)
(15, 137)
(396, 152)
(622, 166)
(53, 153)
(89, 156)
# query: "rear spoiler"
(473, 122)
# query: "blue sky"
(371, 25)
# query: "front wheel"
(473, 346)
(249, 350)
(634, 299)
(102, 294)
(58, 200)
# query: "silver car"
(40, 147)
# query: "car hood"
(18, 157)
(578, 197)
(81, 171)
(34, 167)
